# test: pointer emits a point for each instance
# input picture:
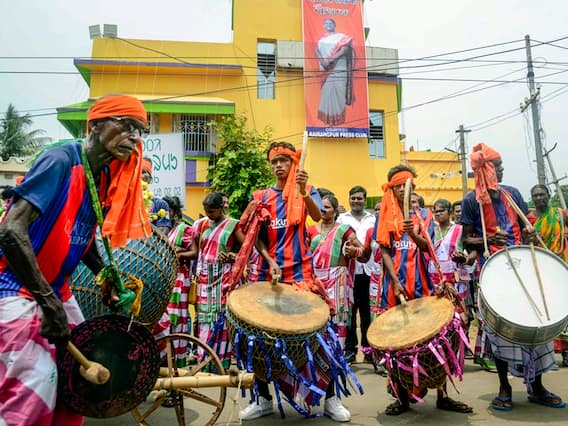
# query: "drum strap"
(126, 296)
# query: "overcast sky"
(42, 30)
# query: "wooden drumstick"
(275, 279)
(406, 201)
(302, 158)
(527, 294)
(539, 279)
(90, 370)
(402, 299)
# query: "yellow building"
(186, 85)
(439, 175)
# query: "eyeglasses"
(130, 126)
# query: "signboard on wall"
(335, 71)
(168, 164)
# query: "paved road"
(477, 389)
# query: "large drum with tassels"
(152, 260)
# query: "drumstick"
(406, 201)
(302, 158)
(91, 371)
(483, 231)
(539, 279)
(530, 299)
(402, 299)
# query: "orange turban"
(391, 217)
(117, 106)
(147, 165)
(484, 171)
(294, 205)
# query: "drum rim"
(256, 323)
(494, 312)
(539, 337)
(424, 337)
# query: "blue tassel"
(312, 368)
(332, 363)
(278, 399)
(250, 346)
(266, 358)
(294, 372)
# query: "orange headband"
(399, 178)
(117, 106)
(280, 150)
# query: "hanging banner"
(335, 70)
(165, 150)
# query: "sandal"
(396, 409)
(502, 403)
(449, 404)
(547, 399)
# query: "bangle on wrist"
(39, 293)
(305, 194)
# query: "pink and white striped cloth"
(28, 371)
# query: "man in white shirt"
(360, 220)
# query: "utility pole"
(533, 101)
(462, 156)
(556, 181)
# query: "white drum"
(504, 304)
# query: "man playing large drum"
(285, 254)
(487, 214)
(404, 246)
(48, 230)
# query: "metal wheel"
(201, 399)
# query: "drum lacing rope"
(126, 296)
(235, 399)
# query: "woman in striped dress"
(216, 242)
(333, 246)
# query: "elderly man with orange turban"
(49, 228)
(490, 223)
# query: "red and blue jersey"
(498, 214)
(287, 245)
(410, 265)
(57, 187)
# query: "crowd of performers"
(360, 262)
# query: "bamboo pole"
(242, 379)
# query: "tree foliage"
(240, 166)
(16, 140)
(554, 200)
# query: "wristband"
(305, 194)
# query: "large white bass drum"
(510, 298)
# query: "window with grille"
(377, 135)
(198, 134)
(265, 69)
(153, 122)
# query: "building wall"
(11, 169)
(337, 164)
(439, 175)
